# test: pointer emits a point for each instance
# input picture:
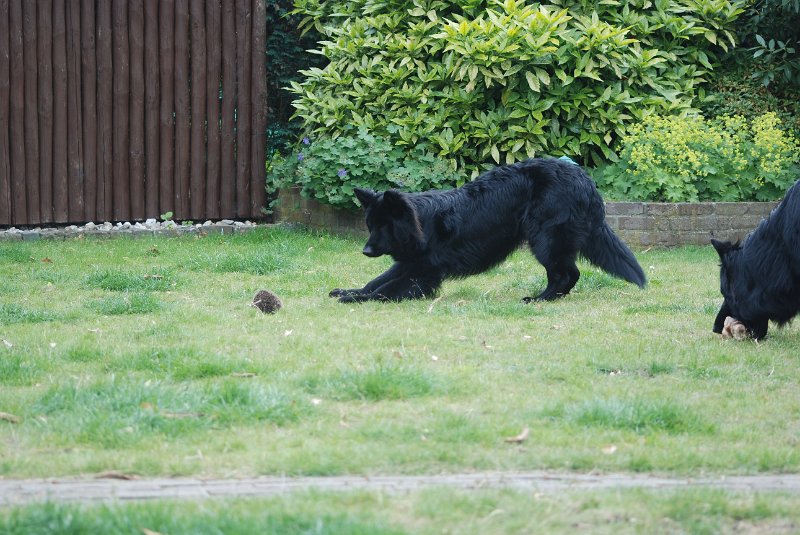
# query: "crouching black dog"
(552, 204)
(760, 278)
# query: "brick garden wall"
(639, 224)
(643, 224)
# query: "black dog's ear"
(722, 247)
(396, 203)
(365, 196)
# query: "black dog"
(551, 204)
(760, 279)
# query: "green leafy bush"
(484, 81)
(728, 158)
(329, 169)
(770, 29)
(286, 54)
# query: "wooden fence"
(114, 110)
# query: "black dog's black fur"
(551, 204)
(760, 279)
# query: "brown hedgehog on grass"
(267, 302)
(734, 329)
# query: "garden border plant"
(500, 81)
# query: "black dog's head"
(738, 290)
(394, 227)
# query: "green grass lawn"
(144, 356)
(433, 511)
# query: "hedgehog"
(267, 302)
(734, 329)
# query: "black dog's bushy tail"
(605, 250)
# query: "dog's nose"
(369, 251)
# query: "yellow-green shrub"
(728, 158)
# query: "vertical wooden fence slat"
(31, 60)
(105, 113)
(89, 98)
(197, 171)
(125, 109)
(60, 166)
(74, 116)
(214, 62)
(167, 134)
(152, 89)
(45, 59)
(259, 110)
(5, 156)
(17, 106)
(182, 114)
(244, 66)
(227, 126)
(121, 60)
(136, 39)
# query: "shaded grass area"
(426, 512)
(145, 356)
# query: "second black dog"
(760, 279)
(552, 204)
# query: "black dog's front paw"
(340, 292)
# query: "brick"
(661, 209)
(636, 223)
(695, 209)
(625, 208)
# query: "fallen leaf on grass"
(150, 532)
(243, 374)
(8, 344)
(115, 474)
(519, 439)
(6, 417)
(180, 415)
(610, 449)
(47, 260)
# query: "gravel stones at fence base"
(149, 227)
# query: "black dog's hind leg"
(558, 259)
(560, 280)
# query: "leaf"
(495, 154)
(520, 438)
(533, 81)
(6, 417)
(114, 474)
(181, 415)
